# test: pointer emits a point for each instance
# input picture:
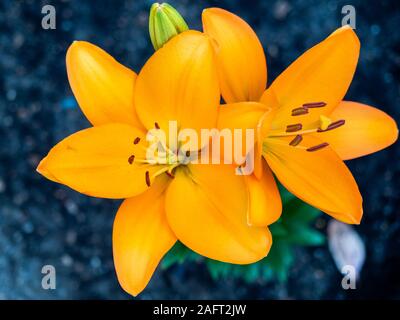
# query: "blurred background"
(45, 223)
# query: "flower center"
(297, 129)
(167, 158)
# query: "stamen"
(187, 153)
(156, 125)
(315, 104)
(148, 178)
(333, 125)
(136, 141)
(131, 159)
(294, 127)
(170, 174)
(318, 147)
(297, 139)
(299, 111)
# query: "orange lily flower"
(204, 206)
(304, 129)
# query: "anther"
(156, 125)
(136, 141)
(315, 104)
(333, 125)
(297, 139)
(131, 159)
(294, 127)
(170, 174)
(187, 153)
(299, 111)
(318, 147)
(148, 178)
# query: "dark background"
(45, 223)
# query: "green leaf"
(296, 210)
(177, 255)
(278, 230)
(306, 237)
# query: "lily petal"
(242, 65)
(97, 162)
(102, 86)
(366, 130)
(265, 199)
(321, 74)
(247, 115)
(179, 82)
(141, 237)
(319, 178)
(207, 210)
(240, 115)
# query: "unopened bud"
(164, 23)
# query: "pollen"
(333, 125)
(297, 139)
(299, 111)
(294, 127)
(318, 147)
(314, 104)
(131, 159)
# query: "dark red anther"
(148, 178)
(333, 125)
(131, 159)
(294, 127)
(299, 111)
(297, 139)
(318, 147)
(315, 104)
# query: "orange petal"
(239, 117)
(366, 130)
(179, 82)
(241, 60)
(102, 86)
(265, 199)
(207, 210)
(319, 178)
(247, 115)
(321, 74)
(141, 237)
(263, 127)
(95, 162)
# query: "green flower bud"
(164, 23)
